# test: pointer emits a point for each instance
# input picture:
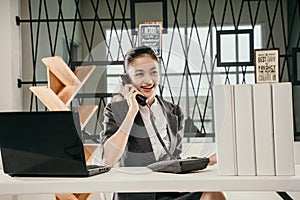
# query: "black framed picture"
(266, 65)
(137, 15)
(235, 47)
(296, 66)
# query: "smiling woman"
(128, 136)
(142, 69)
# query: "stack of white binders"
(254, 129)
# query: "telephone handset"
(139, 98)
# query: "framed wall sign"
(266, 65)
(150, 34)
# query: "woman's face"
(144, 74)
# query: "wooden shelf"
(84, 72)
(85, 113)
(63, 81)
(63, 85)
(74, 196)
(89, 150)
(49, 98)
(68, 93)
(60, 70)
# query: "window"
(188, 68)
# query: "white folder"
(283, 128)
(224, 129)
(263, 129)
(244, 130)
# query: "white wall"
(9, 56)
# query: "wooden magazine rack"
(63, 85)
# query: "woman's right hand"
(130, 93)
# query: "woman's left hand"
(212, 159)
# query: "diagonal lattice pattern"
(189, 49)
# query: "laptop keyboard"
(94, 166)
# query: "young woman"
(128, 135)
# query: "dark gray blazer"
(139, 150)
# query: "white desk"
(143, 180)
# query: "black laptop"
(44, 144)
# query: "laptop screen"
(41, 143)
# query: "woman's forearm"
(115, 145)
